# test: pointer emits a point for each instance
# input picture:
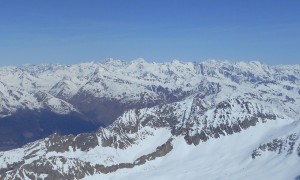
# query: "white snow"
(228, 157)
(109, 155)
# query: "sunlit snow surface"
(227, 157)
(109, 155)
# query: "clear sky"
(73, 31)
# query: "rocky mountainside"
(210, 120)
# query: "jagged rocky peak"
(114, 62)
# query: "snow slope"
(227, 157)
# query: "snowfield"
(228, 157)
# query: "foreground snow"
(228, 157)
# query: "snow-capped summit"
(114, 62)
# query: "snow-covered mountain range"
(174, 120)
(58, 87)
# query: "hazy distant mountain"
(174, 120)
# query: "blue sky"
(73, 31)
